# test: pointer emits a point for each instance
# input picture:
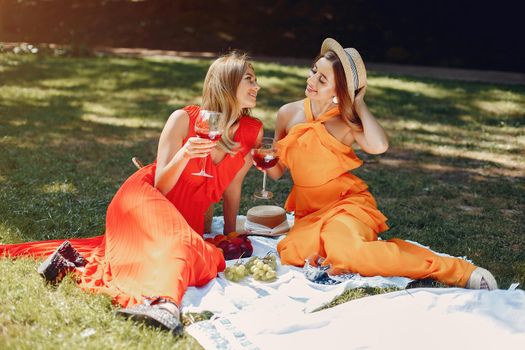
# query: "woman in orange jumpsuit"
(153, 249)
(336, 217)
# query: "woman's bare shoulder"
(290, 109)
(290, 112)
(177, 123)
(179, 115)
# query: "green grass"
(453, 178)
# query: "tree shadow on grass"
(451, 109)
(148, 72)
(58, 172)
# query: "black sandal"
(153, 314)
(63, 260)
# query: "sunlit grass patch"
(56, 187)
(500, 107)
(127, 122)
(417, 88)
(36, 315)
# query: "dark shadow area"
(449, 34)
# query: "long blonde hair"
(219, 93)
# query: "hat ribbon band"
(354, 70)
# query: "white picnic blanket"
(278, 315)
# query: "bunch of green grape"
(236, 273)
(262, 269)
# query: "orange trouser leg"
(301, 242)
(352, 246)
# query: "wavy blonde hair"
(219, 93)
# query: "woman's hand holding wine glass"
(265, 157)
(196, 147)
(208, 126)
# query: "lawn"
(453, 178)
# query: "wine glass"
(208, 126)
(265, 156)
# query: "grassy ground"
(453, 178)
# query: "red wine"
(214, 136)
(265, 161)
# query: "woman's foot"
(159, 312)
(481, 279)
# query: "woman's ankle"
(170, 306)
(166, 304)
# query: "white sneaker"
(481, 279)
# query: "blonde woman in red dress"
(153, 249)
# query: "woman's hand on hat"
(359, 100)
(196, 147)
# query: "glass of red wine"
(208, 126)
(265, 156)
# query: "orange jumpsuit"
(153, 243)
(337, 218)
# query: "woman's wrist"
(361, 108)
(185, 152)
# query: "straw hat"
(353, 64)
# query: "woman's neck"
(320, 107)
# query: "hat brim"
(330, 44)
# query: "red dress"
(153, 243)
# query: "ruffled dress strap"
(249, 128)
(313, 139)
(193, 112)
